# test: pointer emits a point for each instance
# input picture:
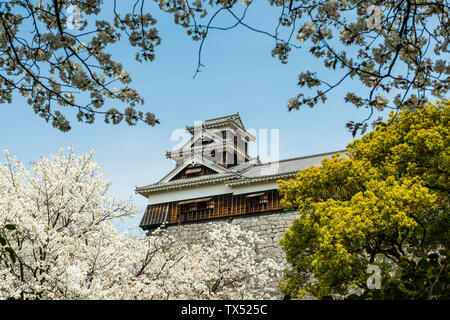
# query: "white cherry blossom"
(66, 246)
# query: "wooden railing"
(221, 206)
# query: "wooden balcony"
(214, 207)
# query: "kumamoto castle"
(215, 180)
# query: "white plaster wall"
(207, 190)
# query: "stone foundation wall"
(269, 227)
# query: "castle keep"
(215, 180)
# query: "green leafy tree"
(396, 49)
(385, 203)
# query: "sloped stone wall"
(269, 227)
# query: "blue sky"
(240, 75)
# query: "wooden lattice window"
(256, 202)
(196, 209)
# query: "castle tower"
(215, 178)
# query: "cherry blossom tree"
(66, 247)
(396, 49)
(55, 54)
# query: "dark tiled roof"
(211, 123)
(246, 173)
(222, 120)
(187, 182)
(282, 168)
(155, 215)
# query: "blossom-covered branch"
(398, 50)
(54, 53)
(64, 245)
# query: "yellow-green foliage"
(384, 202)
